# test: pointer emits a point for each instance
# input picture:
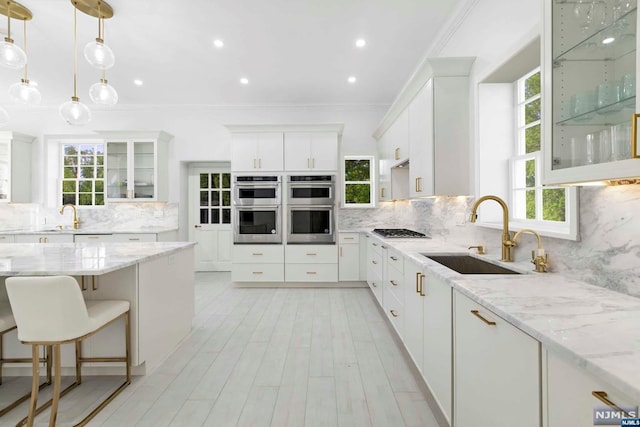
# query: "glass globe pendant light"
(11, 56)
(103, 93)
(25, 92)
(98, 54)
(74, 112)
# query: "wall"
(608, 253)
(199, 134)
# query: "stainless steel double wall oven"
(257, 209)
(310, 209)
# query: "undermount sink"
(465, 264)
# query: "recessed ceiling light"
(138, 82)
(352, 79)
(361, 43)
(608, 40)
(218, 43)
(244, 81)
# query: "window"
(542, 207)
(358, 181)
(215, 198)
(83, 174)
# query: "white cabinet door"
(43, 238)
(348, 257)
(414, 312)
(397, 146)
(496, 370)
(80, 238)
(7, 239)
(437, 333)
(568, 394)
(15, 167)
(421, 142)
(311, 151)
(257, 151)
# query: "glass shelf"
(592, 48)
(605, 116)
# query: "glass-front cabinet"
(15, 167)
(137, 168)
(589, 95)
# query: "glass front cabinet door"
(137, 169)
(589, 91)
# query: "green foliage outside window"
(357, 178)
(83, 174)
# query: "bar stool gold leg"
(35, 383)
(1, 353)
(56, 385)
(78, 362)
(48, 363)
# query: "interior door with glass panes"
(210, 218)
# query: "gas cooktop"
(398, 233)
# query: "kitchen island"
(156, 278)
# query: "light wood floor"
(264, 357)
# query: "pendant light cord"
(8, 21)
(75, 51)
(25, 78)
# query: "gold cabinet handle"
(383, 247)
(479, 316)
(257, 272)
(82, 285)
(197, 226)
(422, 276)
(418, 282)
(93, 237)
(341, 252)
(257, 254)
(134, 238)
(373, 262)
(393, 313)
(397, 153)
(393, 258)
(374, 285)
(602, 397)
(374, 244)
(345, 238)
(417, 191)
(311, 254)
(94, 286)
(634, 137)
(312, 272)
(393, 282)
(382, 192)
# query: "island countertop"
(77, 259)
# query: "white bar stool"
(8, 324)
(50, 310)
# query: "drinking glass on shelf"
(592, 149)
(583, 13)
(582, 103)
(577, 151)
(628, 86)
(605, 146)
(607, 93)
(621, 141)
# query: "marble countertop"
(87, 230)
(37, 259)
(596, 328)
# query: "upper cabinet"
(310, 151)
(15, 167)
(257, 152)
(137, 166)
(428, 125)
(589, 91)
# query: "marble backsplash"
(113, 217)
(607, 255)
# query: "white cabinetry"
(414, 317)
(375, 271)
(137, 166)
(348, 257)
(257, 152)
(129, 237)
(7, 239)
(569, 394)
(43, 238)
(590, 93)
(311, 263)
(392, 295)
(496, 370)
(258, 263)
(15, 167)
(393, 148)
(310, 151)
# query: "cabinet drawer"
(139, 237)
(375, 264)
(376, 287)
(395, 260)
(6, 239)
(346, 238)
(43, 238)
(264, 254)
(394, 310)
(395, 283)
(257, 272)
(376, 245)
(311, 272)
(80, 238)
(311, 254)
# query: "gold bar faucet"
(76, 220)
(542, 260)
(507, 244)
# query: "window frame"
(61, 178)
(372, 182)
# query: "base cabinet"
(568, 394)
(258, 263)
(414, 316)
(348, 257)
(496, 370)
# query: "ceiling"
(292, 52)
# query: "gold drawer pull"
(374, 262)
(134, 238)
(393, 258)
(311, 254)
(383, 247)
(345, 238)
(488, 322)
(397, 153)
(374, 244)
(393, 313)
(393, 282)
(256, 254)
(257, 272)
(422, 276)
(311, 272)
(602, 397)
(374, 285)
(93, 237)
(82, 285)
(93, 283)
